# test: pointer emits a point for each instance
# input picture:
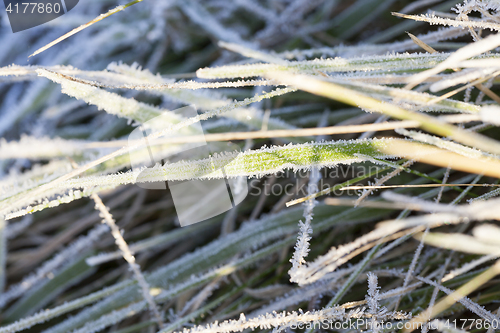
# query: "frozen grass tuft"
(270, 80)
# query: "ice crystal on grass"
(302, 246)
(109, 102)
(127, 255)
(373, 299)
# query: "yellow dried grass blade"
(83, 26)
(431, 124)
